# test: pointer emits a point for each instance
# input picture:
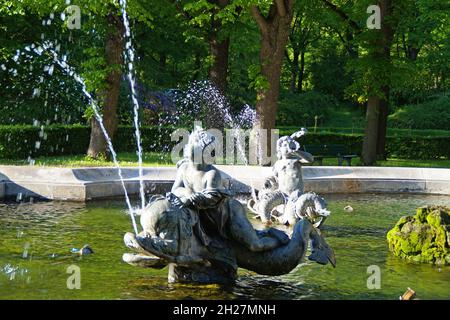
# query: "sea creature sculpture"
(170, 238)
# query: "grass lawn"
(163, 159)
(126, 159)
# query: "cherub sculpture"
(282, 196)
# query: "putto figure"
(203, 234)
(282, 197)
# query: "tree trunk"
(274, 36)
(382, 124)
(110, 96)
(369, 154)
(294, 71)
(381, 53)
(162, 68)
(388, 36)
(219, 49)
(197, 67)
(218, 73)
(301, 74)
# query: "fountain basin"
(48, 230)
(83, 184)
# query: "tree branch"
(286, 53)
(342, 14)
(260, 20)
(294, 26)
(281, 7)
(186, 15)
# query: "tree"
(212, 17)
(305, 30)
(100, 63)
(219, 47)
(378, 100)
(114, 46)
(274, 31)
(375, 77)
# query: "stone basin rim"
(90, 183)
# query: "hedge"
(402, 147)
(391, 131)
(21, 142)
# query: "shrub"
(300, 109)
(417, 147)
(21, 142)
(434, 114)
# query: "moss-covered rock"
(424, 237)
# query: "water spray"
(129, 53)
(47, 47)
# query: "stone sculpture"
(282, 197)
(203, 234)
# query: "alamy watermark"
(374, 20)
(374, 280)
(74, 280)
(73, 17)
(243, 146)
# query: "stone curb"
(82, 184)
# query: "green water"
(36, 239)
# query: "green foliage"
(301, 109)
(257, 80)
(328, 73)
(29, 90)
(172, 43)
(433, 114)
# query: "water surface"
(36, 239)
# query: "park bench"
(323, 151)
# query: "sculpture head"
(311, 206)
(200, 147)
(287, 147)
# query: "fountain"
(201, 232)
(204, 235)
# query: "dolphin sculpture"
(169, 238)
